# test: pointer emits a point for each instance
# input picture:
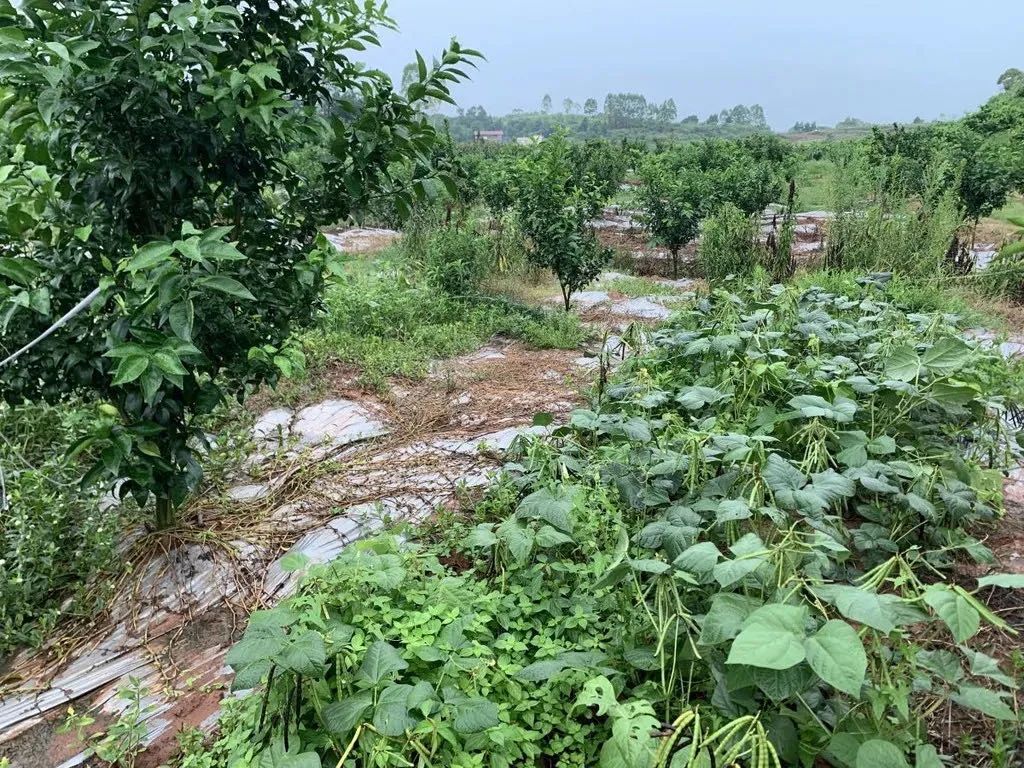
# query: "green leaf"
(926, 756)
(302, 760)
(381, 660)
(545, 669)
(902, 364)
(481, 537)
(598, 692)
(1004, 580)
(700, 559)
(948, 394)
(946, 356)
(305, 655)
(549, 537)
(341, 717)
(391, 715)
(46, 103)
(730, 510)
(129, 369)
(475, 714)
(958, 614)
(551, 506)
(693, 398)
(725, 617)
(169, 363)
(861, 605)
(182, 318)
(517, 537)
(985, 666)
(226, 285)
(985, 701)
(260, 72)
(880, 754)
(772, 637)
(189, 248)
(150, 255)
(813, 406)
(60, 49)
(251, 650)
(836, 654)
(729, 572)
(20, 269)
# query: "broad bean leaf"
(772, 637)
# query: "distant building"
(496, 137)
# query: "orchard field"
(330, 436)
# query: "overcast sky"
(801, 60)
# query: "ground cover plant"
(739, 555)
(391, 317)
(55, 539)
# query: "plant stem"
(164, 513)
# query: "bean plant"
(740, 554)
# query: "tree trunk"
(566, 295)
(675, 263)
(164, 513)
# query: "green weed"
(392, 325)
(638, 286)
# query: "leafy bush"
(876, 229)
(170, 196)
(54, 537)
(728, 244)
(673, 203)
(457, 260)
(724, 558)
(1004, 277)
(555, 207)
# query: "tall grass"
(878, 229)
(728, 244)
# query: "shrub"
(673, 203)
(555, 208)
(54, 537)
(457, 260)
(728, 244)
(1004, 277)
(145, 155)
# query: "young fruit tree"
(673, 203)
(144, 155)
(555, 205)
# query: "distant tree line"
(621, 114)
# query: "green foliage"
(54, 537)
(877, 230)
(555, 205)
(1004, 277)
(728, 245)
(121, 743)
(673, 203)
(172, 195)
(601, 163)
(722, 561)
(457, 260)
(979, 158)
(393, 323)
